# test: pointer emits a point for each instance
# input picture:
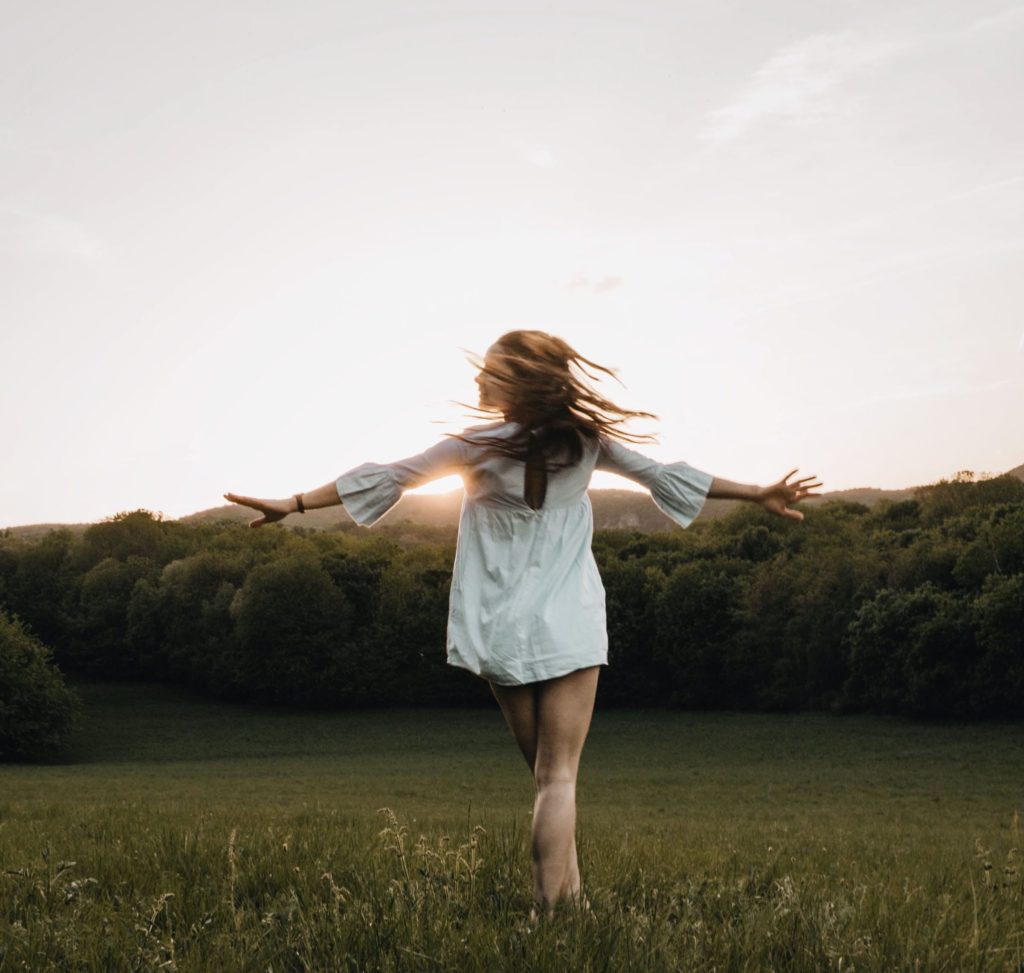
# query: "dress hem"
(534, 677)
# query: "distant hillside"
(31, 532)
(613, 509)
(629, 509)
(418, 512)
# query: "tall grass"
(845, 845)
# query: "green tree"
(192, 615)
(912, 652)
(763, 666)
(407, 659)
(44, 589)
(631, 592)
(949, 498)
(293, 630)
(695, 623)
(997, 683)
(100, 644)
(38, 712)
(139, 533)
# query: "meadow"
(193, 835)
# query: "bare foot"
(535, 915)
(563, 905)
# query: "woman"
(527, 607)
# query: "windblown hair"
(536, 374)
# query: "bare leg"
(550, 721)
(564, 710)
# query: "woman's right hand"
(272, 510)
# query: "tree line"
(913, 607)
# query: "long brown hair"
(553, 406)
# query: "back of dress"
(527, 602)
(500, 482)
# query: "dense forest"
(913, 607)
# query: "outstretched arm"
(369, 490)
(729, 490)
(274, 510)
(774, 498)
(680, 489)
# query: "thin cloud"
(799, 83)
(539, 155)
(888, 267)
(51, 235)
(932, 391)
(1006, 19)
(878, 234)
(14, 142)
(804, 81)
(888, 216)
(982, 188)
(601, 286)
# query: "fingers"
(255, 502)
(264, 506)
(802, 479)
(803, 483)
(248, 502)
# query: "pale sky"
(243, 245)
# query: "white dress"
(526, 602)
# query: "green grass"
(207, 836)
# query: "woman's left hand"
(776, 497)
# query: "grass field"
(191, 835)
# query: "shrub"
(38, 712)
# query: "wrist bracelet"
(302, 506)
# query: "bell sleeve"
(678, 489)
(370, 490)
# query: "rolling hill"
(417, 514)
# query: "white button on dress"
(526, 602)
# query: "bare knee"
(553, 776)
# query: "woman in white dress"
(527, 607)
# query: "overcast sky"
(244, 246)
